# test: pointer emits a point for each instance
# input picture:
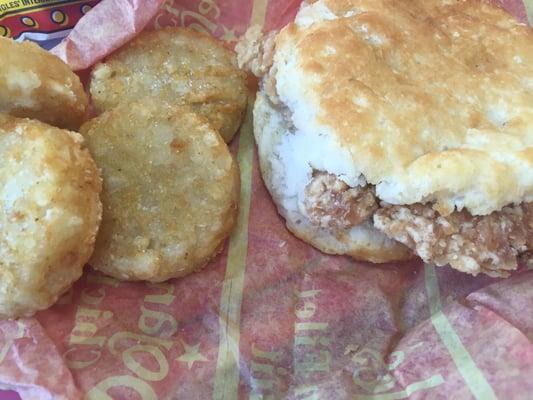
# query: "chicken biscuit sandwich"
(388, 128)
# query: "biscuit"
(430, 101)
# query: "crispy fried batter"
(490, 244)
(255, 51)
(331, 203)
(177, 65)
(49, 213)
(170, 191)
(37, 84)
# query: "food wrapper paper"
(271, 317)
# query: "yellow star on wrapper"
(191, 355)
(229, 35)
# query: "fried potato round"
(49, 213)
(180, 66)
(170, 191)
(36, 84)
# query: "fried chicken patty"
(490, 244)
(331, 203)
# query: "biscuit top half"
(432, 100)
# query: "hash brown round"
(170, 193)
(36, 84)
(179, 66)
(49, 213)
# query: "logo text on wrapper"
(204, 18)
(311, 355)
(142, 353)
(311, 352)
(377, 378)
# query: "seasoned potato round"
(180, 66)
(49, 213)
(170, 191)
(36, 84)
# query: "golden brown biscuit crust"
(432, 98)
